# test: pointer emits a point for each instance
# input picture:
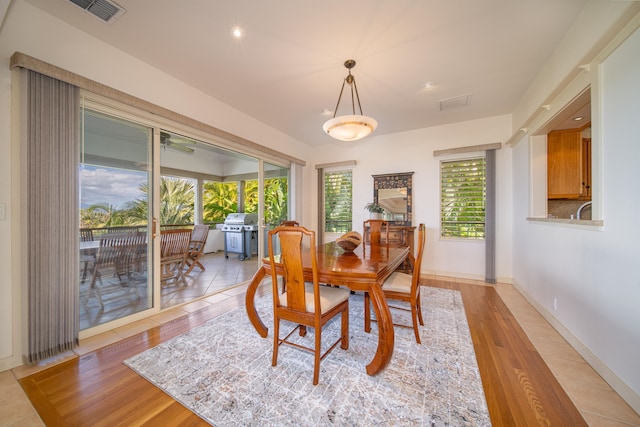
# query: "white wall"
(28, 30)
(412, 151)
(592, 28)
(591, 272)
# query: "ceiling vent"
(455, 102)
(105, 10)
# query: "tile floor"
(124, 295)
(597, 402)
(594, 398)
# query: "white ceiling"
(288, 67)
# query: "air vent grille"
(455, 102)
(105, 10)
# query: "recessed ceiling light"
(327, 112)
(577, 119)
(236, 32)
(428, 85)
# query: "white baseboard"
(10, 363)
(457, 276)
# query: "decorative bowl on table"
(349, 241)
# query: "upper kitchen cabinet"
(569, 164)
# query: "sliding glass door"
(147, 189)
(202, 184)
(276, 190)
(114, 175)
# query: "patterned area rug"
(222, 371)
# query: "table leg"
(385, 331)
(250, 306)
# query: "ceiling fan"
(172, 141)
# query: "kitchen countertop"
(589, 222)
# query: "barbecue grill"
(241, 235)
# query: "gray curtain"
(52, 119)
(490, 218)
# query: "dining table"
(365, 269)
(90, 246)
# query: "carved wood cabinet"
(403, 234)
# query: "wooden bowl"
(349, 241)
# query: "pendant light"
(354, 126)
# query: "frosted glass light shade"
(350, 128)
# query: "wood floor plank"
(519, 387)
(97, 389)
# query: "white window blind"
(463, 198)
(338, 201)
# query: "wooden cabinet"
(586, 166)
(403, 234)
(568, 165)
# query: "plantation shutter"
(338, 201)
(463, 198)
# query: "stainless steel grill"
(241, 235)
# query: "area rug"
(222, 371)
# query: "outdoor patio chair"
(199, 236)
(116, 253)
(174, 245)
(88, 257)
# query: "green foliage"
(176, 207)
(338, 201)
(176, 201)
(251, 196)
(219, 200)
(104, 215)
(276, 199)
(177, 198)
(463, 197)
(374, 208)
(276, 192)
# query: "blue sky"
(100, 185)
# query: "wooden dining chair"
(307, 304)
(199, 236)
(373, 230)
(403, 287)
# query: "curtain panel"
(51, 124)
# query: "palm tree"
(276, 193)
(103, 215)
(176, 203)
(275, 199)
(219, 200)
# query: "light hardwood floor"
(531, 376)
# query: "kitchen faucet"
(582, 206)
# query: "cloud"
(100, 185)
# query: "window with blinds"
(462, 198)
(337, 201)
